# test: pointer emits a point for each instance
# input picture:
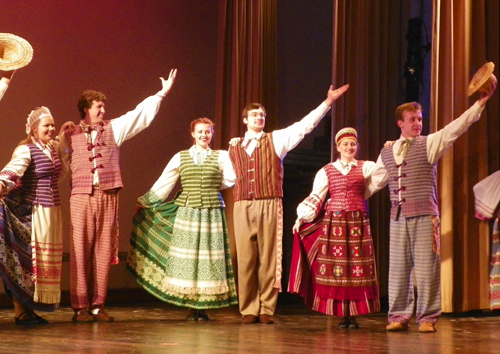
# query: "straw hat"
(15, 52)
(481, 77)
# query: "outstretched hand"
(334, 94)
(487, 90)
(167, 84)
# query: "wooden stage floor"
(155, 328)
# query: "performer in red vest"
(93, 148)
(258, 211)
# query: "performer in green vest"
(179, 250)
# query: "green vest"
(200, 184)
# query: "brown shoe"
(266, 319)
(102, 316)
(397, 327)
(247, 319)
(427, 327)
(83, 316)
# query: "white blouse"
(305, 212)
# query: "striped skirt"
(333, 265)
(30, 268)
(181, 255)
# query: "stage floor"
(155, 328)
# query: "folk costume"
(93, 152)
(31, 226)
(409, 167)
(487, 200)
(179, 250)
(333, 260)
(258, 211)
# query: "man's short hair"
(410, 106)
(87, 98)
(250, 107)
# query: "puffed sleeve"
(310, 207)
(368, 169)
(487, 196)
(14, 170)
(164, 185)
(228, 174)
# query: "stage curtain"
(246, 72)
(367, 55)
(461, 40)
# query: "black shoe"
(202, 315)
(192, 315)
(344, 323)
(30, 319)
(353, 324)
(197, 315)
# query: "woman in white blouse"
(179, 251)
(30, 221)
(333, 262)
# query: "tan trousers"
(255, 223)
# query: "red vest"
(259, 176)
(106, 156)
(346, 192)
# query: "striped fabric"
(200, 184)
(93, 246)
(347, 189)
(412, 257)
(16, 259)
(412, 184)
(182, 256)
(83, 162)
(333, 261)
(258, 176)
(39, 182)
(47, 249)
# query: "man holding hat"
(409, 168)
(258, 211)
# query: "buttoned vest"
(418, 181)
(260, 175)
(200, 184)
(346, 192)
(38, 185)
(107, 160)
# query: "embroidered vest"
(259, 176)
(346, 192)
(200, 184)
(38, 185)
(417, 194)
(107, 160)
